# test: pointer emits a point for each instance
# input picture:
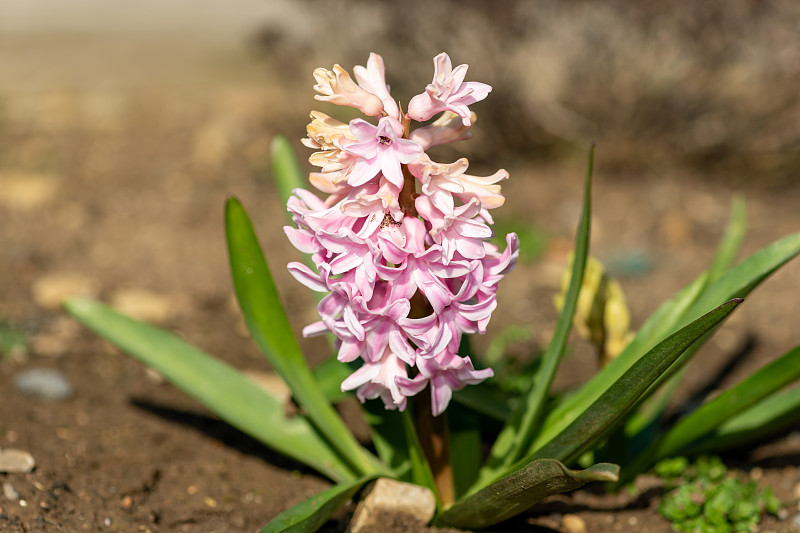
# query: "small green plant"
(12, 340)
(706, 498)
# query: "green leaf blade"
(269, 326)
(309, 515)
(216, 385)
(733, 401)
(625, 393)
(285, 168)
(520, 490)
(776, 413)
(731, 241)
(518, 433)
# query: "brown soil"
(116, 179)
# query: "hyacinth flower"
(400, 243)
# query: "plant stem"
(434, 439)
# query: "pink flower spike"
(337, 87)
(448, 92)
(381, 149)
(373, 79)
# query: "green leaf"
(737, 399)
(309, 515)
(420, 469)
(329, 375)
(519, 490)
(731, 241)
(286, 169)
(484, 399)
(625, 393)
(389, 437)
(768, 417)
(516, 437)
(704, 420)
(269, 326)
(464, 429)
(737, 282)
(223, 390)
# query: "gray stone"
(10, 493)
(46, 383)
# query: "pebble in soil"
(43, 383)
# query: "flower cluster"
(406, 272)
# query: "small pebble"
(126, 502)
(573, 524)
(45, 383)
(756, 473)
(142, 305)
(51, 289)
(796, 521)
(10, 492)
(211, 502)
(14, 461)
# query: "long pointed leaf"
(613, 405)
(223, 390)
(269, 327)
(733, 401)
(389, 437)
(285, 168)
(731, 241)
(518, 434)
(519, 490)
(776, 413)
(309, 515)
(464, 429)
(420, 469)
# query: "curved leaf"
(269, 326)
(519, 490)
(733, 401)
(222, 389)
(626, 392)
(285, 168)
(308, 515)
(518, 433)
(776, 413)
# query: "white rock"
(15, 461)
(390, 501)
(10, 493)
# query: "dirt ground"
(112, 185)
